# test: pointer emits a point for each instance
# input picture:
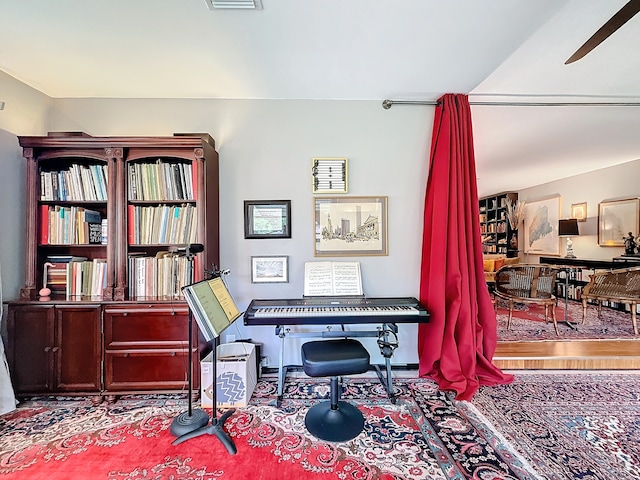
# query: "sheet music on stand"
(212, 305)
(332, 279)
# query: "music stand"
(191, 419)
(214, 310)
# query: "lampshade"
(568, 227)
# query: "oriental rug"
(425, 435)
(584, 426)
(528, 323)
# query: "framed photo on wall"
(267, 219)
(350, 226)
(270, 269)
(616, 219)
(579, 211)
(541, 227)
(330, 175)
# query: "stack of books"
(76, 277)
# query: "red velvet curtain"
(456, 347)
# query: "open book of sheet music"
(211, 305)
(332, 279)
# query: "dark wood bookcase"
(497, 235)
(126, 329)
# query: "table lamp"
(568, 228)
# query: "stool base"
(340, 425)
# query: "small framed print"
(579, 211)
(330, 175)
(267, 219)
(270, 269)
(616, 220)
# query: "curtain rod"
(387, 104)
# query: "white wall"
(12, 214)
(26, 112)
(613, 183)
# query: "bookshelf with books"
(107, 218)
(497, 235)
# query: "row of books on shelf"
(61, 225)
(162, 180)
(500, 227)
(163, 224)
(76, 277)
(159, 276)
(77, 183)
(494, 249)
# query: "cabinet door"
(77, 351)
(146, 348)
(30, 348)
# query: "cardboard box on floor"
(235, 372)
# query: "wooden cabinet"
(111, 214)
(146, 347)
(497, 235)
(55, 348)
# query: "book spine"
(193, 166)
(44, 224)
(104, 231)
(131, 222)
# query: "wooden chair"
(621, 286)
(528, 284)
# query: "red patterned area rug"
(425, 435)
(528, 323)
(584, 426)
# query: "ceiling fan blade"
(623, 16)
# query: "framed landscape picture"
(350, 226)
(270, 269)
(541, 227)
(616, 219)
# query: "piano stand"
(383, 331)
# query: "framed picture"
(267, 219)
(270, 269)
(579, 211)
(330, 175)
(616, 219)
(350, 226)
(541, 227)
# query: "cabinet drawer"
(145, 328)
(148, 370)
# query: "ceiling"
(494, 50)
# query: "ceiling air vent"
(234, 4)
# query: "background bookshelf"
(497, 235)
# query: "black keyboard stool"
(335, 420)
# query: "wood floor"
(570, 355)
